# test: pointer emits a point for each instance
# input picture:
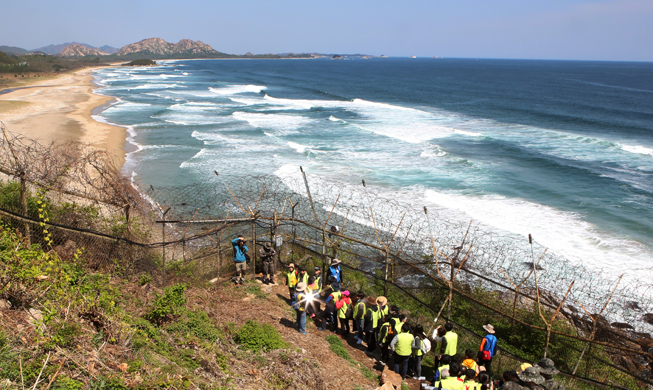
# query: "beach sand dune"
(60, 110)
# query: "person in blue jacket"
(240, 258)
(487, 349)
(335, 271)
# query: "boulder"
(386, 386)
(389, 376)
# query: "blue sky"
(542, 29)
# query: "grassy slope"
(94, 332)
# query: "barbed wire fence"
(590, 323)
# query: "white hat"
(301, 286)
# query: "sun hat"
(547, 367)
(291, 265)
(381, 301)
(268, 245)
(335, 262)
(489, 328)
(301, 286)
(370, 301)
(444, 373)
(531, 374)
(524, 366)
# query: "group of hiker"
(382, 327)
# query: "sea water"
(561, 150)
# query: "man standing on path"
(487, 349)
(318, 278)
(240, 258)
(267, 254)
(449, 341)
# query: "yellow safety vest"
(342, 312)
(404, 341)
(292, 279)
(303, 278)
(451, 383)
(452, 343)
(301, 301)
(385, 336)
(442, 367)
(356, 308)
(312, 288)
(375, 315)
(384, 311)
(418, 352)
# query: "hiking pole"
(438, 316)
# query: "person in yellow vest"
(384, 310)
(341, 306)
(291, 279)
(384, 338)
(448, 381)
(313, 291)
(470, 380)
(358, 314)
(421, 345)
(449, 344)
(401, 345)
(300, 307)
(302, 276)
(371, 323)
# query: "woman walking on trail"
(371, 323)
(240, 258)
(359, 313)
(487, 349)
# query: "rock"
(648, 318)
(35, 317)
(389, 376)
(386, 386)
(4, 304)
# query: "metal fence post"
(163, 248)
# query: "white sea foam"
(433, 151)
(563, 232)
(281, 124)
(637, 149)
(235, 89)
(155, 86)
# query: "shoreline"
(61, 109)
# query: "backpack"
(349, 313)
(426, 346)
(295, 302)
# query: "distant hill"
(108, 49)
(13, 50)
(158, 48)
(56, 49)
(79, 50)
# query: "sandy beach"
(60, 109)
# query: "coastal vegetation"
(141, 62)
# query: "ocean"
(561, 150)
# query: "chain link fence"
(69, 197)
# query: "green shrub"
(65, 383)
(255, 337)
(196, 323)
(66, 334)
(168, 304)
